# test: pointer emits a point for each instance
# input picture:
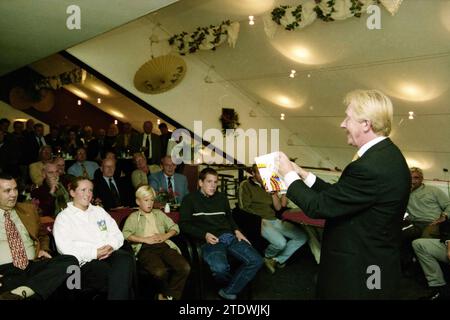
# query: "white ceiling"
(409, 59)
(31, 30)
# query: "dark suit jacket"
(30, 218)
(102, 191)
(136, 144)
(364, 210)
(158, 182)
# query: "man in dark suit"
(168, 180)
(360, 256)
(148, 143)
(112, 191)
(26, 267)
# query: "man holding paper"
(360, 256)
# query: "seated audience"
(112, 191)
(430, 252)
(89, 233)
(83, 168)
(206, 216)
(284, 237)
(149, 231)
(45, 155)
(52, 195)
(427, 207)
(27, 270)
(168, 180)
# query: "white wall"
(119, 54)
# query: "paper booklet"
(267, 169)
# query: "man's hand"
(241, 237)
(211, 239)
(283, 164)
(104, 252)
(44, 254)
(156, 238)
(441, 219)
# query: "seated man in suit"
(206, 216)
(112, 191)
(26, 267)
(83, 168)
(168, 180)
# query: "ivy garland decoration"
(205, 38)
(296, 17)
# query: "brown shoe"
(7, 295)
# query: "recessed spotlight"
(251, 20)
(293, 72)
(99, 100)
(282, 116)
(411, 115)
(116, 122)
(79, 102)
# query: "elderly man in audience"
(169, 181)
(206, 216)
(428, 206)
(64, 177)
(83, 167)
(52, 194)
(36, 173)
(284, 237)
(89, 233)
(26, 268)
(112, 191)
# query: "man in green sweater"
(205, 215)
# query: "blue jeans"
(276, 232)
(215, 255)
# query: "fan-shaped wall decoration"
(160, 74)
(20, 99)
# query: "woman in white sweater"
(90, 234)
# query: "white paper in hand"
(267, 167)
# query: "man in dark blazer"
(141, 142)
(160, 180)
(360, 256)
(35, 273)
(112, 191)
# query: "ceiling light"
(79, 93)
(79, 102)
(158, 121)
(100, 89)
(251, 20)
(99, 100)
(411, 115)
(293, 72)
(282, 116)
(116, 122)
(302, 53)
(309, 75)
(117, 113)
